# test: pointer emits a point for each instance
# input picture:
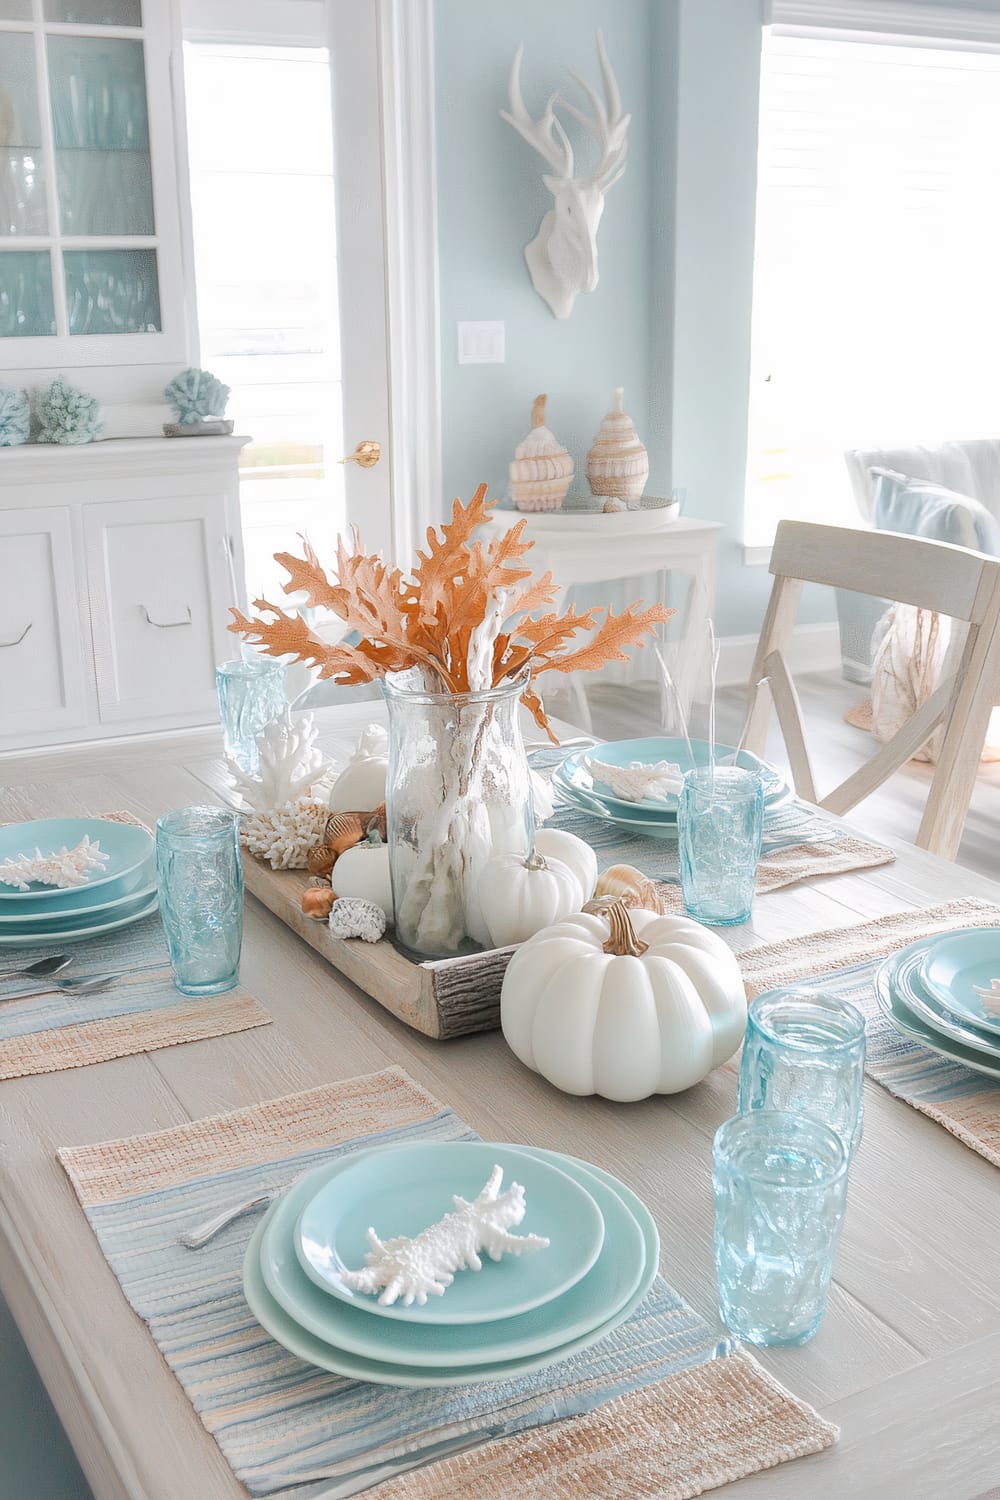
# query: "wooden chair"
(931, 575)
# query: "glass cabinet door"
(81, 248)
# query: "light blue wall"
(491, 201)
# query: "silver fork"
(82, 984)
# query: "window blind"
(876, 309)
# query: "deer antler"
(608, 125)
(539, 133)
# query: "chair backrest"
(930, 575)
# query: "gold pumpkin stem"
(538, 411)
(623, 939)
(535, 861)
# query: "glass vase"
(458, 792)
(251, 695)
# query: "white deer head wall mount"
(562, 258)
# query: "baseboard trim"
(813, 648)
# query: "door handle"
(367, 454)
(24, 632)
(166, 624)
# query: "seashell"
(317, 902)
(320, 861)
(617, 463)
(614, 503)
(542, 469)
(344, 830)
(626, 883)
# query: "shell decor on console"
(542, 470)
(15, 418)
(617, 463)
(197, 396)
(67, 415)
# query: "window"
(266, 274)
(89, 246)
(876, 311)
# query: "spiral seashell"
(542, 469)
(625, 882)
(617, 463)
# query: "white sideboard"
(118, 563)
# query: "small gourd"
(362, 781)
(554, 843)
(623, 1003)
(542, 470)
(364, 872)
(520, 895)
(617, 463)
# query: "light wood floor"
(837, 749)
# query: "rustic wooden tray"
(442, 998)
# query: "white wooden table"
(584, 548)
(907, 1361)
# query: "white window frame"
(64, 350)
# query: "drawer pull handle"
(24, 632)
(166, 624)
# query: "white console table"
(585, 547)
(118, 562)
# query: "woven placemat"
(140, 1012)
(660, 1407)
(845, 961)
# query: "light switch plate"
(482, 343)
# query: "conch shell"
(542, 470)
(617, 463)
(627, 883)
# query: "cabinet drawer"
(159, 588)
(41, 663)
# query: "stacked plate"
(123, 891)
(657, 816)
(944, 992)
(514, 1316)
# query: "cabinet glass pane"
(102, 135)
(15, 10)
(95, 12)
(26, 294)
(112, 291)
(18, 90)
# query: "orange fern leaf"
(607, 641)
(533, 704)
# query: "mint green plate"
(143, 908)
(128, 849)
(105, 911)
(955, 965)
(403, 1189)
(897, 987)
(306, 1346)
(597, 1297)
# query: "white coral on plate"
(414, 1269)
(354, 917)
(284, 835)
(634, 782)
(63, 868)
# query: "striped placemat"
(845, 961)
(660, 1407)
(140, 1012)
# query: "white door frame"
(382, 61)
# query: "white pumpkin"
(364, 872)
(520, 895)
(555, 844)
(361, 784)
(649, 1010)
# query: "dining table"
(906, 1362)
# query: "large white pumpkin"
(649, 1008)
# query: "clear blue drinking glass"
(780, 1183)
(720, 817)
(251, 694)
(804, 1051)
(200, 877)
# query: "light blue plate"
(661, 828)
(143, 908)
(572, 772)
(42, 922)
(897, 989)
(954, 965)
(404, 1189)
(129, 848)
(304, 1345)
(594, 1299)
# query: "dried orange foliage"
(462, 597)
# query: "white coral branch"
(63, 868)
(633, 783)
(414, 1269)
(284, 835)
(290, 763)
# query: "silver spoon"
(80, 984)
(42, 968)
